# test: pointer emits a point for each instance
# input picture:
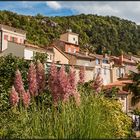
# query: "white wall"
(13, 34)
(28, 54)
(106, 76)
(71, 37)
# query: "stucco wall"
(11, 34)
(105, 73)
(64, 37)
(85, 62)
(73, 38)
(15, 49)
(89, 73)
(71, 48)
(58, 56)
(129, 67)
(50, 56)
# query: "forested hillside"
(96, 33)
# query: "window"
(74, 39)
(5, 37)
(97, 61)
(69, 49)
(105, 61)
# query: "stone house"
(68, 42)
(80, 60)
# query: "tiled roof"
(54, 46)
(118, 83)
(27, 45)
(125, 60)
(68, 42)
(122, 92)
(80, 55)
(12, 29)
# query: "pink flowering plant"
(32, 80)
(82, 75)
(14, 98)
(18, 82)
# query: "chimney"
(105, 55)
(121, 59)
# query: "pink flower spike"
(54, 83)
(14, 99)
(26, 98)
(82, 75)
(40, 76)
(97, 83)
(32, 80)
(18, 83)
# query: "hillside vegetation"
(96, 33)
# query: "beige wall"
(29, 52)
(115, 73)
(129, 68)
(50, 56)
(89, 73)
(85, 62)
(69, 37)
(15, 49)
(105, 73)
(64, 37)
(124, 101)
(73, 38)
(13, 34)
(58, 56)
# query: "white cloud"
(54, 5)
(128, 10)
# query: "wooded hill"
(96, 33)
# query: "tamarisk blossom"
(40, 76)
(18, 83)
(54, 83)
(32, 80)
(82, 75)
(14, 99)
(63, 84)
(26, 98)
(73, 85)
(98, 82)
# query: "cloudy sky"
(127, 10)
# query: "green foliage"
(95, 32)
(135, 86)
(40, 56)
(8, 66)
(112, 92)
(96, 117)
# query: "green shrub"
(8, 66)
(96, 117)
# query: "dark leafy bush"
(8, 66)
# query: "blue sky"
(123, 9)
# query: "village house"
(68, 42)
(82, 59)
(59, 56)
(128, 64)
(123, 95)
(8, 33)
(103, 65)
